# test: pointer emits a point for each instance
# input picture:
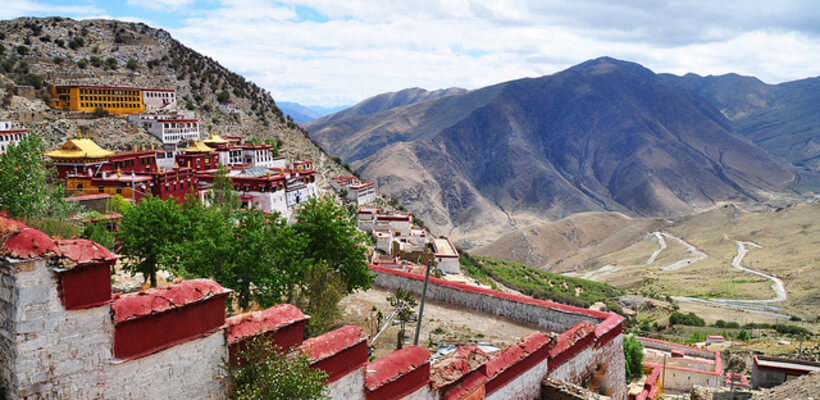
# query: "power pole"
(421, 307)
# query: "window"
(101, 189)
(119, 190)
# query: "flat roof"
(785, 363)
(444, 247)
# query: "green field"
(548, 286)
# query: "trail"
(754, 306)
(600, 272)
(657, 252)
(697, 254)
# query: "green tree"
(404, 303)
(319, 297)
(98, 232)
(633, 355)
(270, 374)
(222, 193)
(29, 189)
(147, 231)
(223, 97)
(329, 235)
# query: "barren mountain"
(606, 135)
(61, 51)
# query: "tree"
(22, 50)
(223, 97)
(633, 355)
(99, 233)
(319, 297)
(270, 374)
(404, 303)
(330, 236)
(147, 231)
(222, 193)
(29, 189)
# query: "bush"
(33, 80)
(132, 64)
(743, 335)
(76, 43)
(633, 357)
(96, 61)
(82, 63)
(59, 42)
(686, 319)
(22, 50)
(111, 63)
(733, 325)
(58, 60)
(223, 97)
(792, 330)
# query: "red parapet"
(516, 359)
(21, 241)
(150, 321)
(570, 342)
(471, 387)
(337, 352)
(83, 251)
(282, 325)
(454, 366)
(85, 286)
(397, 374)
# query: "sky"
(339, 52)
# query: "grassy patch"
(546, 285)
(475, 272)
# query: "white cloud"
(16, 8)
(161, 5)
(369, 47)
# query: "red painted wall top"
(394, 365)
(157, 300)
(333, 342)
(242, 326)
(516, 352)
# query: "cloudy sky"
(336, 52)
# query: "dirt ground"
(442, 324)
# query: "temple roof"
(199, 147)
(215, 139)
(80, 148)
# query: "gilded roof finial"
(119, 172)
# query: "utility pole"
(423, 297)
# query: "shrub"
(22, 50)
(223, 97)
(82, 63)
(111, 63)
(76, 43)
(33, 80)
(132, 64)
(95, 61)
(733, 325)
(792, 330)
(743, 335)
(59, 42)
(58, 60)
(689, 319)
(633, 357)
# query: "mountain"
(62, 51)
(386, 101)
(298, 112)
(783, 119)
(605, 135)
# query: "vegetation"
(686, 319)
(633, 355)
(29, 190)
(548, 286)
(404, 303)
(111, 63)
(99, 233)
(469, 267)
(132, 64)
(222, 193)
(730, 325)
(270, 374)
(743, 335)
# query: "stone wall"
(348, 387)
(525, 386)
(8, 314)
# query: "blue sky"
(331, 52)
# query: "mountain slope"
(159, 61)
(603, 135)
(298, 112)
(782, 119)
(386, 101)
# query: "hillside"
(386, 101)
(605, 135)
(782, 119)
(298, 112)
(62, 51)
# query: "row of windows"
(160, 94)
(110, 98)
(112, 105)
(14, 137)
(108, 91)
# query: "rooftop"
(79, 148)
(444, 247)
(333, 342)
(157, 300)
(253, 323)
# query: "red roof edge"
(243, 326)
(516, 352)
(331, 343)
(394, 365)
(157, 300)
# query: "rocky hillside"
(606, 135)
(782, 119)
(40, 52)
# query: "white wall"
(524, 387)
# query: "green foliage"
(111, 63)
(222, 193)
(792, 330)
(99, 233)
(269, 374)
(82, 63)
(28, 190)
(223, 97)
(59, 42)
(469, 267)
(76, 43)
(58, 60)
(22, 50)
(329, 235)
(95, 61)
(696, 337)
(689, 319)
(147, 231)
(548, 286)
(33, 80)
(319, 297)
(633, 356)
(743, 335)
(404, 303)
(132, 64)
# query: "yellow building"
(78, 155)
(115, 100)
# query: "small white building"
(166, 158)
(399, 223)
(362, 193)
(366, 219)
(173, 131)
(10, 134)
(158, 99)
(144, 120)
(229, 108)
(446, 255)
(300, 192)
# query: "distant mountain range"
(605, 135)
(300, 113)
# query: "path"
(754, 305)
(697, 254)
(657, 252)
